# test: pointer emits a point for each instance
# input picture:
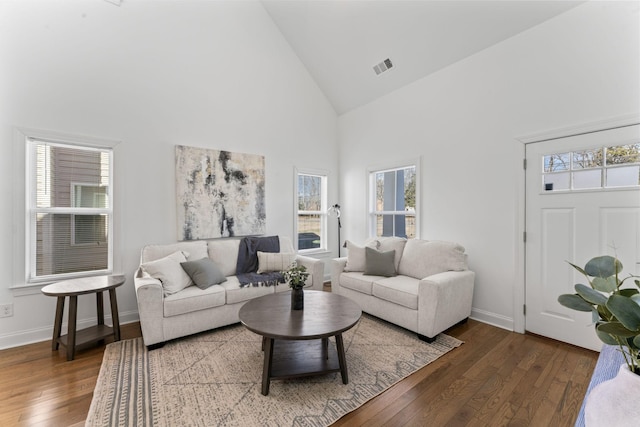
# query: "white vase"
(614, 402)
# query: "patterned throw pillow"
(274, 261)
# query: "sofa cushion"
(274, 261)
(423, 258)
(379, 263)
(204, 272)
(393, 244)
(237, 294)
(224, 252)
(401, 290)
(357, 281)
(169, 271)
(356, 256)
(196, 250)
(194, 299)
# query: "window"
(69, 210)
(312, 212)
(393, 202)
(604, 167)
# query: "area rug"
(214, 379)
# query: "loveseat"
(171, 305)
(420, 285)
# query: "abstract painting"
(219, 193)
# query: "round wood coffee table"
(299, 338)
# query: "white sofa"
(427, 289)
(191, 310)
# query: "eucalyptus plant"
(615, 310)
(296, 275)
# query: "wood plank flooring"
(497, 378)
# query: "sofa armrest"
(316, 269)
(150, 296)
(337, 267)
(444, 299)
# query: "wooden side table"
(72, 288)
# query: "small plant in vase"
(615, 311)
(616, 315)
(296, 275)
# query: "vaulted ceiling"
(340, 41)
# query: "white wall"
(463, 121)
(152, 75)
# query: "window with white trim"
(603, 167)
(69, 210)
(393, 202)
(311, 224)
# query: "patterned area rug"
(214, 379)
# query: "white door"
(575, 218)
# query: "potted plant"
(616, 311)
(295, 276)
(616, 315)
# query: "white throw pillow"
(393, 244)
(356, 255)
(424, 258)
(169, 271)
(274, 261)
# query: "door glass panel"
(587, 159)
(623, 176)
(556, 181)
(557, 162)
(587, 179)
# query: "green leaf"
(607, 284)
(636, 341)
(617, 329)
(578, 268)
(603, 266)
(606, 338)
(574, 302)
(628, 292)
(590, 295)
(626, 310)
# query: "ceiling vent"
(383, 66)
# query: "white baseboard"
(492, 319)
(16, 339)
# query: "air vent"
(383, 66)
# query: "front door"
(582, 201)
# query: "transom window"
(312, 212)
(604, 167)
(393, 202)
(69, 210)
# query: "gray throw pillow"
(379, 263)
(204, 272)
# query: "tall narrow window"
(70, 216)
(393, 202)
(312, 212)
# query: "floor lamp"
(335, 209)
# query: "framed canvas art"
(219, 193)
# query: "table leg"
(114, 314)
(266, 370)
(325, 347)
(341, 359)
(100, 308)
(71, 333)
(57, 325)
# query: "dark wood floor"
(496, 378)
